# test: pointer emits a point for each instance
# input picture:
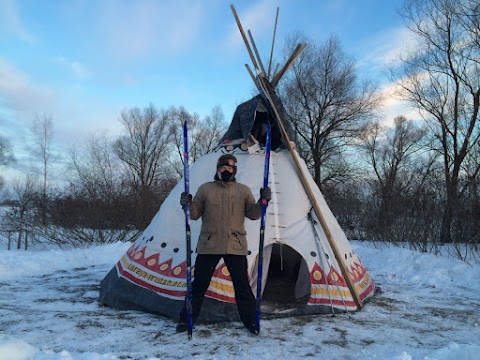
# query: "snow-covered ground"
(428, 308)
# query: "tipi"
(309, 265)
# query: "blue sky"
(83, 61)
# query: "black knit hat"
(223, 160)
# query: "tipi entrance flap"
(286, 283)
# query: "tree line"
(111, 183)
(393, 180)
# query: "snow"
(428, 308)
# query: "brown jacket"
(223, 207)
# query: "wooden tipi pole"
(303, 179)
(273, 44)
(313, 201)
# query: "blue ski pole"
(262, 229)
(188, 298)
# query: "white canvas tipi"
(309, 265)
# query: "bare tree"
(96, 168)
(391, 156)
(6, 156)
(6, 152)
(25, 192)
(204, 134)
(401, 163)
(98, 196)
(327, 103)
(178, 116)
(144, 151)
(209, 132)
(41, 149)
(441, 78)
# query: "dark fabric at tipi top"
(250, 118)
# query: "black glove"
(185, 198)
(266, 193)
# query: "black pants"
(237, 266)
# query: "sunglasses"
(225, 163)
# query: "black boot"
(252, 328)
(181, 327)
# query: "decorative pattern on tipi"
(167, 279)
(150, 273)
(331, 289)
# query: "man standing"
(223, 205)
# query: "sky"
(81, 62)
(427, 309)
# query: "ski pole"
(188, 298)
(262, 230)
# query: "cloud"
(142, 29)
(78, 69)
(75, 116)
(394, 106)
(19, 95)
(20, 101)
(10, 21)
(384, 49)
(381, 52)
(11, 78)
